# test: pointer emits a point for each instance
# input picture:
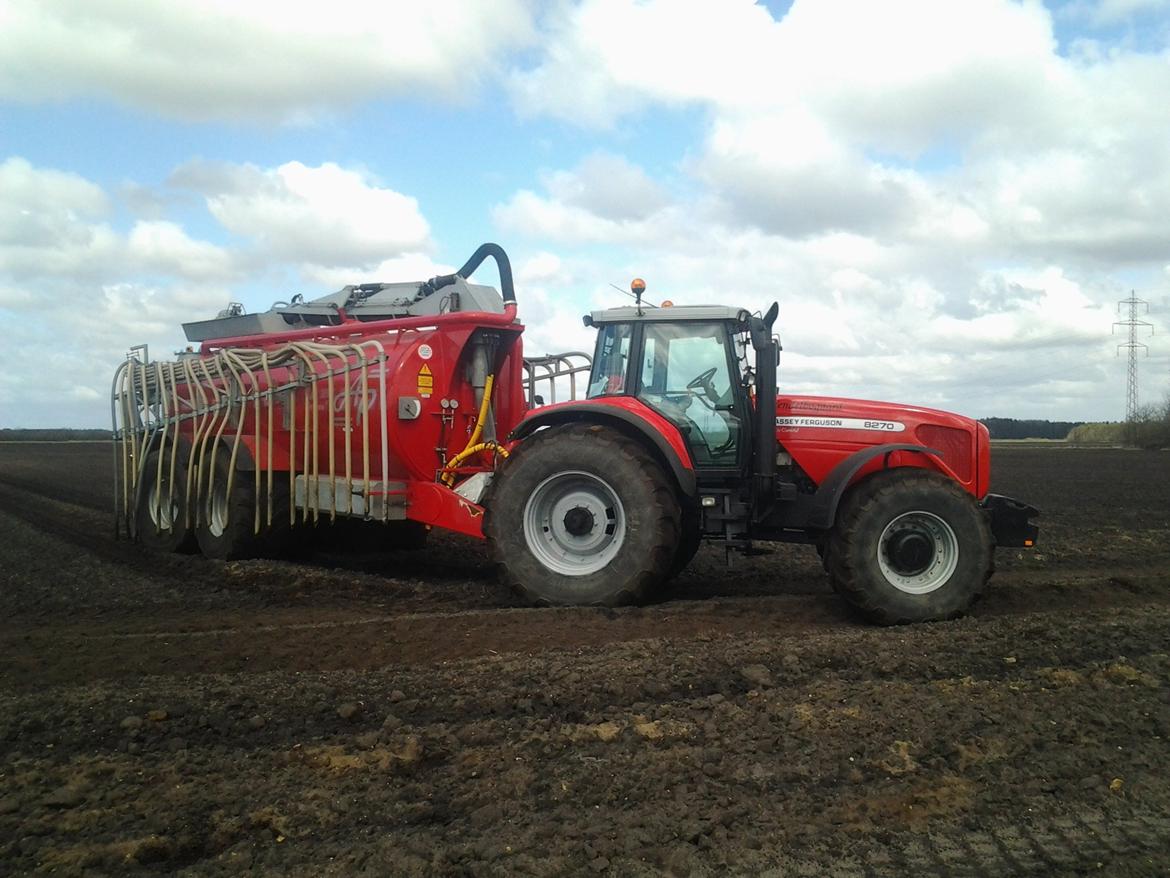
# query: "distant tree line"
(1150, 428)
(1015, 428)
(59, 434)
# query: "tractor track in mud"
(403, 714)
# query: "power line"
(1132, 346)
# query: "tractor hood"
(817, 430)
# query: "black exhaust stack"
(764, 445)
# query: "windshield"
(610, 360)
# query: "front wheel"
(909, 546)
(583, 515)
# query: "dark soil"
(402, 713)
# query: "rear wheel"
(160, 516)
(583, 515)
(689, 541)
(909, 546)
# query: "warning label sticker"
(426, 382)
(795, 423)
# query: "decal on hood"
(825, 423)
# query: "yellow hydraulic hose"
(473, 444)
(448, 470)
(483, 408)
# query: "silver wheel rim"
(929, 531)
(217, 510)
(574, 523)
(163, 513)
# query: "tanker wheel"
(909, 546)
(161, 522)
(583, 515)
(227, 520)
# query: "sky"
(947, 198)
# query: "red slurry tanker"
(412, 405)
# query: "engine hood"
(818, 431)
(794, 413)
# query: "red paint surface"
(817, 449)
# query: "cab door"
(688, 372)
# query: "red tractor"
(411, 405)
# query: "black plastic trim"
(507, 289)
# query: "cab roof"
(673, 314)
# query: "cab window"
(685, 374)
(610, 360)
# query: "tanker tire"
(156, 527)
(952, 537)
(571, 461)
(226, 529)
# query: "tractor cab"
(693, 365)
(690, 364)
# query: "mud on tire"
(690, 540)
(162, 522)
(583, 515)
(909, 546)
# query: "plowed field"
(403, 714)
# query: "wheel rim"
(163, 509)
(918, 552)
(574, 523)
(217, 510)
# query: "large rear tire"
(690, 539)
(909, 545)
(161, 520)
(583, 515)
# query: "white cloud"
(164, 247)
(213, 59)
(608, 186)
(325, 215)
(957, 122)
(83, 291)
(54, 227)
(408, 267)
(610, 57)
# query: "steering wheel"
(703, 382)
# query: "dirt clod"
(758, 676)
(68, 796)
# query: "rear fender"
(657, 434)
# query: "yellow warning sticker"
(426, 382)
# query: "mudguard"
(823, 509)
(632, 418)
